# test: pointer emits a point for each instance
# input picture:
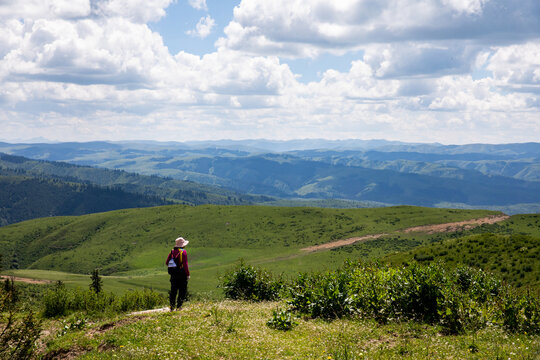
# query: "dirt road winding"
(429, 229)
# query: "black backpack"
(178, 264)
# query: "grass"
(130, 245)
(513, 258)
(237, 330)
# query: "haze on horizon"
(447, 71)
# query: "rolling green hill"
(132, 243)
(511, 251)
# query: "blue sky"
(449, 71)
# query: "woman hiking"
(177, 265)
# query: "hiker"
(177, 266)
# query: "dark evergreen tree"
(97, 282)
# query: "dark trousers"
(178, 289)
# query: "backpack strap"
(180, 264)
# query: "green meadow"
(129, 246)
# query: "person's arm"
(168, 259)
(185, 263)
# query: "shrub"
(245, 282)
(139, 300)
(18, 335)
(457, 300)
(282, 319)
(59, 301)
(91, 301)
(520, 313)
(56, 301)
(322, 295)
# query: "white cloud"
(203, 27)
(466, 6)
(299, 28)
(517, 65)
(141, 11)
(85, 70)
(36, 9)
(198, 4)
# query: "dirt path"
(25, 280)
(456, 226)
(429, 229)
(150, 311)
(335, 244)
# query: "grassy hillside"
(237, 330)
(512, 254)
(133, 242)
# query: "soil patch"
(65, 354)
(429, 229)
(339, 243)
(456, 226)
(25, 280)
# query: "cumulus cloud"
(420, 59)
(203, 27)
(77, 69)
(516, 64)
(198, 4)
(84, 52)
(299, 28)
(141, 11)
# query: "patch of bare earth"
(65, 354)
(456, 226)
(339, 243)
(429, 229)
(25, 280)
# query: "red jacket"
(174, 254)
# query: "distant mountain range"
(25, 197)
(37, 188)
(502, 176)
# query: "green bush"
(56, 301)
(90, 301)
(282, 319)
(18, 331)
(322, 295)
(59, 301)
(140, 300)
(245, 282)
(520, 313)
(457, 300)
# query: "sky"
(447, 71)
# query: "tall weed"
(246, 282)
